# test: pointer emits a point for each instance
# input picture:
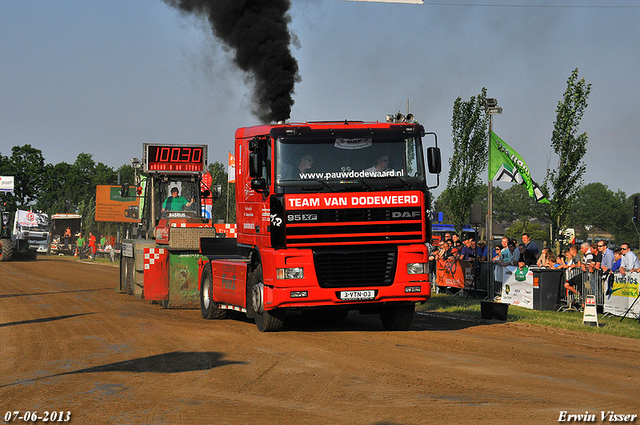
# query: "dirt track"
(70, 343)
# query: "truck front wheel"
(208, 306)
(397, 317)
(266, 320)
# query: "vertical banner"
(232, 168)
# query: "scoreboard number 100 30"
(175, 158)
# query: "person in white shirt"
(381, 164)
(630, 262)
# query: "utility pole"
(491, 108)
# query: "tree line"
(71, 188)
(589, 209)
(595, 210)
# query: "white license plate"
(358, 295)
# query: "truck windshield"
(343, 159)
(179, 196)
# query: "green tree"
(515, 204)
(66, 186)
(443, 203)
(87, 209)
(26, 165)
(126, 175)
(570, 147)
(595, 207)
(57, 195)
(625, 230)
(104, 174)
(469, 159)
(535, 230)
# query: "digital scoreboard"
(174, 159)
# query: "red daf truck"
(331, 216)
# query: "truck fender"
(201, 263)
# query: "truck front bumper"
(304, 290)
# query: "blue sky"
(103, 77)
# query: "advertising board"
(112, 207)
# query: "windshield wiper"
(381, 181)
(333, 189)
(363, 181)
(400, 179)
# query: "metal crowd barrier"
(486, 285)
(483, 271)
(594, 283)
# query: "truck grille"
(349, 268)
(355, 226)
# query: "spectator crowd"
(586, 257)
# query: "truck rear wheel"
(397, 317)
(266, 320)
(208, 306)
(6, 250)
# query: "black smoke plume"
(257, 32)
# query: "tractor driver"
(175, 202)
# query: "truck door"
(229, 282)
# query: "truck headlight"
(290, 273)
(417, 268)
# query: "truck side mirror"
(434, 161)
(255, 164)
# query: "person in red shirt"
(92, 244)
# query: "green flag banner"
(506, 165)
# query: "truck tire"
(6, 250)
(397, 317)
(208, 306)
(266, 320)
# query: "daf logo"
(405, 214)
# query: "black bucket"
(492, 310)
